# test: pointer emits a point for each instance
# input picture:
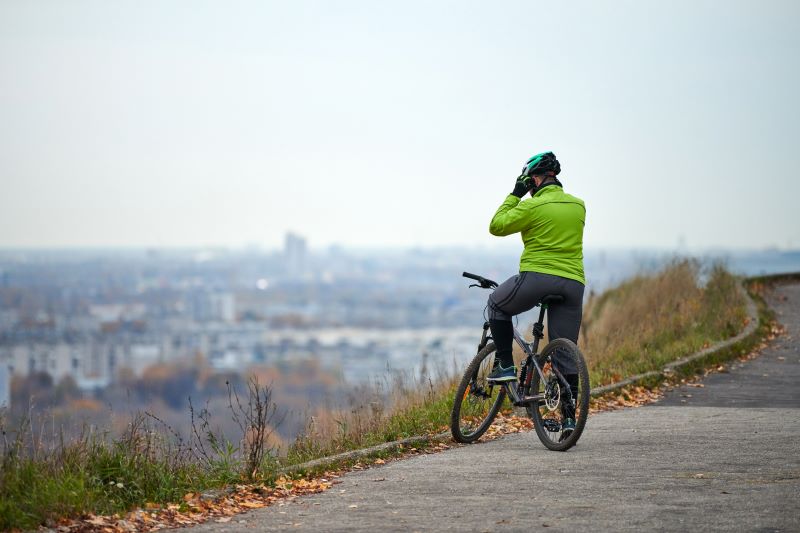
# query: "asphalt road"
(722, 457)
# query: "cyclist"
(551, 224)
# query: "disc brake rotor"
(552, 395)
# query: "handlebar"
(483, 283)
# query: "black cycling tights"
(524, 291)
(503, 335)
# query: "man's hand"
(522, 186)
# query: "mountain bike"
(541, 387)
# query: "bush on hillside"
(650, 320)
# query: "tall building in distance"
(295, 255)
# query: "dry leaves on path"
(196, 509)
(507, 424)
(633, 396)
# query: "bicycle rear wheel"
(548, 413)
(477, 401)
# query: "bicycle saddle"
(551, 299)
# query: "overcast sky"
(403, 123)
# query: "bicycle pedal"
(553, 426)
(480, 391)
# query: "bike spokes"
(479, 397)
(476, 401)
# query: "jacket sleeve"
(511, 217)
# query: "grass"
(39, 484)
(416, 410)
(651, 320)
(640, 325)
(43, 478)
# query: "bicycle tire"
(545, 434)
(462, 395)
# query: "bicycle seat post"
(538, 328)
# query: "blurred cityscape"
(95, 316)
(91, 323)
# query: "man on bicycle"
(551, 224)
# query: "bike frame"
(531, 352)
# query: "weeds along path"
(720, 457)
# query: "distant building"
(295, 252)
(90, 364)
(141, 356)
(224, 304)
(8, 319)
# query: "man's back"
(551, 224)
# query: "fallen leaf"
(252, 505)
(96, 520)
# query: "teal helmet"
(543, 163)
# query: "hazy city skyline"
(204, 124)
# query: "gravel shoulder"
(721, 457)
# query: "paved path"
(725, 458)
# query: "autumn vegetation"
(651, 320)
(46, 475)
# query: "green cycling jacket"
(551, 224)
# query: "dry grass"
(651, 320)
(395, 407)
(45, 476)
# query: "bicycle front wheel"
(477, 401)
(557, 402)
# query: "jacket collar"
(544, 186)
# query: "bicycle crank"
(477, 390)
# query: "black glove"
(522, 186)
